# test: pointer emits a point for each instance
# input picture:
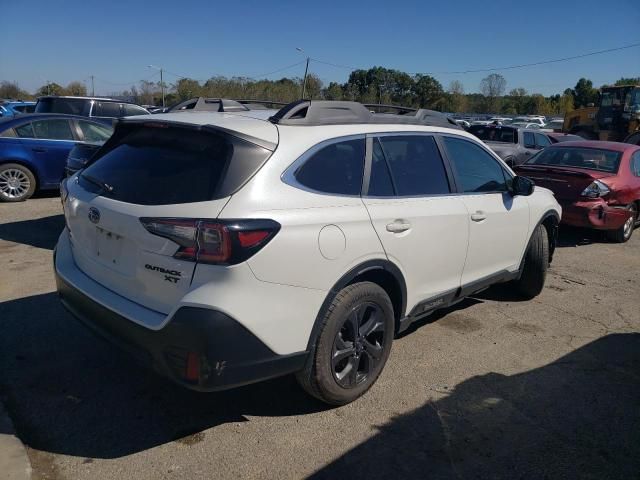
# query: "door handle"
(398, 227)
(478, 216)
(39, 150)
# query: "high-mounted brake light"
(224, 242)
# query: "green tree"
(456, 101)
(50, 88)
(584, 93)
(333, 92)
(627, 81)
(186, 88)
(428, 92)
(12, 90)
(76, 88)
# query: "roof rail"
(261, 104)
(327, 112)
(200, 104)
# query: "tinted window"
(494, 133)
(529, 140)
(380, 184)
(53, 129)
(477, 170)
(589, 158)
(155, 166)
(134, 110)
(106, 109)
(336, 168)
(415, 164)
(94, 132)
(635, 164)
(72, 106)
(24, 131)
(542, 140)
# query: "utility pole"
(93, 91)
(304, 81)
(162, 86)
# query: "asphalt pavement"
(492, 388)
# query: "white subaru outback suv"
(224, 249)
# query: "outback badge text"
(169, 275)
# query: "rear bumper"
(199, 348)
(594, 214)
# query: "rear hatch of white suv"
(142, 214)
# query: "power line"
(493, 69)
(251, 77)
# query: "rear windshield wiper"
(103, 185)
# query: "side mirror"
(522, 186)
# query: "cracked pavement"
(492, 388)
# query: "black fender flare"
(552, 235)
(348, 278)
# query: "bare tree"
(493, 85)
(456, 87)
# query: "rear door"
(422, 224)
(48, 142)
(498, 221)
(529, 146)
(154, 172)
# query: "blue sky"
(69, 40)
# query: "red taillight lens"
(218, 242)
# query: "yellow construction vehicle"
(616, 117)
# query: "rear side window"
(336, 168)
(477, 171)
(106, 109)
(415, 164)
(635, 164)
(93, 132)
(71, 106)
(133, 110)
(156, 166)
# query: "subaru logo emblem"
(94, 215)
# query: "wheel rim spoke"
(372, 349)
(14, 183)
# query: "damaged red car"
(597, 183)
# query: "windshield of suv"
(492, 133)
(588, 158)
(158, 164)
(71, 106)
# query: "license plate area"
(108, 248)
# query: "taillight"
(595, 190)
(223, 242)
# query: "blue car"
(34, 149)
(13, 108)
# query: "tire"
(623, 234)
(359, 356)
(536, 263)
(17, 183)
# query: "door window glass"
(477, 170)
(416, 165)
(542, 140)
(380, 184)
(529, 140)
(53, 129)
(106, 109)
(24, 131)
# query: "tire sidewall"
(361, 293)
(28, 173)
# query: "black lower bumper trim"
(228, 354)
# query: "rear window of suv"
(71, 106)
(147, 165)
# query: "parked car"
(12, 108)
(554, 125)
(597, 183)
(79, 156)
(194, 237)
(101, 109)
(500, 120)
(463, 123)
(34, 149)
(562, 137)
(514, 145)
(530, 119)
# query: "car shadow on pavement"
(577, 417)
(72, 393)
(41, 232)
(577, 237)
